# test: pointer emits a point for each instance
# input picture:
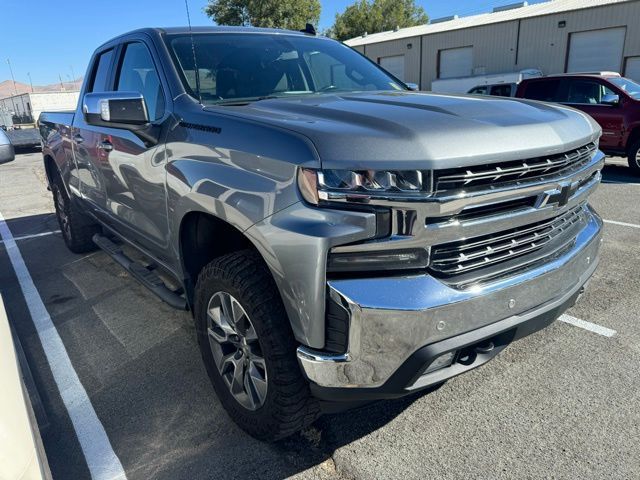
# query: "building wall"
(35, 103)
(399, 47)
(53, 102)
(540, 43)
(544, 45)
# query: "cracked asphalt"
(562, 403)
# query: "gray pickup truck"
(337, 237)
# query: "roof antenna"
(193, 50)
(309, 29)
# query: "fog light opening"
(443, 361)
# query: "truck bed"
(24, 137)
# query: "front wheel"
(248, 347)
(633, 155)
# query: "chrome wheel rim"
(236, 351)
(638, 158)
(62, 214)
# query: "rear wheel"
(77, 228)
(634, 156)
(248, 348)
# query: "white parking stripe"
(102, 461)
(624, 224)
(592, 327)
(33, 235)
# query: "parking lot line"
(101, 460)
(624, 224)
(33, 235)
(592, 327)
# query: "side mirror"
(414, 87)
(126, 110)
(610, 99)
(115, 109)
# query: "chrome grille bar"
(463, 257)
(510, 171)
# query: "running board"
(144, 275)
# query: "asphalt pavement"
(562, 403)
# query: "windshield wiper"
(245, 100)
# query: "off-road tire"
(633, 156)
(76, 227)
(288, 405)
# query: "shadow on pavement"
(618, 173)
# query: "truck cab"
(613, 101)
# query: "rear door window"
(546, 90)
(478, 91)
(501, 90)
(101, 72)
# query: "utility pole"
(30, 81)
(73, 77)
(61, 84)
(12, 78)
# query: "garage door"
(456, 62)
(597, 50)
(394, 65)
(632, 69)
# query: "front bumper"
(399, 325)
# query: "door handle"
(78, 138)
(106, 146)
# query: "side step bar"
(144, 275)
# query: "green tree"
(373, 16)
(291, 14)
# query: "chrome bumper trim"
(393, 317)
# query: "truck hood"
(417, 130)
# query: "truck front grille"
(498, 174)
(500, 253)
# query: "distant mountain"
(7, 89)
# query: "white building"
(556, 36)
(28, 106)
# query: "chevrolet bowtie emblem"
(559, 196)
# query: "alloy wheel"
(236, 350)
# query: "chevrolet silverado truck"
(337, 237)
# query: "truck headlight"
(362, 186)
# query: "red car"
(613, 101)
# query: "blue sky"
(48, 38)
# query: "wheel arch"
(203, 237)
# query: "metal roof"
(538, 9)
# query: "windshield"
(629, 86)
(236, 67)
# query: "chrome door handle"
(106, 146)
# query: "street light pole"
(30, 81)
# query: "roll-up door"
(632, 69)
(596, 50)
(456, 62)
(394, 65)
